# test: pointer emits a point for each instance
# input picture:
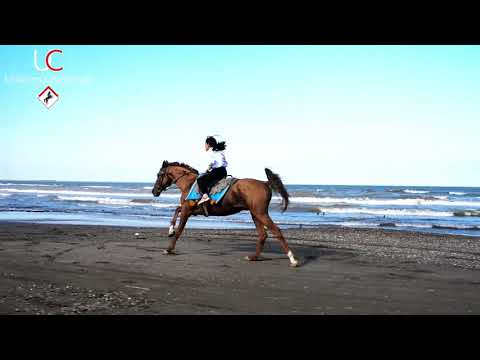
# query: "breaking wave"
(368, 201)
(388, 212)
(113, 201)
(416, 191)
(17, 184)
(74, 192)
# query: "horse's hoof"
(171, 234)
(294, 264)
(251, 258)
(168, 252)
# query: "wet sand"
(72, 269)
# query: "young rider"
(217, 166)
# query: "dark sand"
(69, 269)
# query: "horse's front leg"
(186, 211)
(171, 229)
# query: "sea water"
(452, 210)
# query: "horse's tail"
(275, 183)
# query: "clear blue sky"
(377, 115)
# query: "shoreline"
(162, 223)
(90, 269)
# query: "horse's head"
(163, 180)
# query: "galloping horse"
(245, 194)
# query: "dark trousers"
(207, 179)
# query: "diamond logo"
(48, 97)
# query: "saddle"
(216, 192)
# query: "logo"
(48, 60)
(48, 97)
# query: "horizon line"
(297, 184)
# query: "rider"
(217, 166)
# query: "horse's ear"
(165, 163)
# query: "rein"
(175, 181)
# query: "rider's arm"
(211, 160)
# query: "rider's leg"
(203, 182)
(210, 178)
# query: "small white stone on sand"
(136, 234)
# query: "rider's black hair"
(216, 146)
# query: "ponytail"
(216, 146)
(220, 146)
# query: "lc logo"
(47, 60)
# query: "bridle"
(173, 181)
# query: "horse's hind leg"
(266, 220)
(262, 236)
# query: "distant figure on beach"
(49, 96)
(216, 166)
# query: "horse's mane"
(183, 165)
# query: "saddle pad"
(217, 191)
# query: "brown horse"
(245, 194)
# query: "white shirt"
(216, 159)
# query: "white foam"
(74, 192)
(441, 197)
(175, 196)
(148, 187)
(456, 193)
(111, 201)
(96, 187)
(76, 198)
(416, 191)
(368, 201)
(164, 205)
(388, 212)
(362, 224)
(2, 194)
(12, 184)
(414, 225)
(354, 224)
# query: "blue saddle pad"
(217, 192)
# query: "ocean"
(452, 210)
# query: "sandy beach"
(73, 269)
